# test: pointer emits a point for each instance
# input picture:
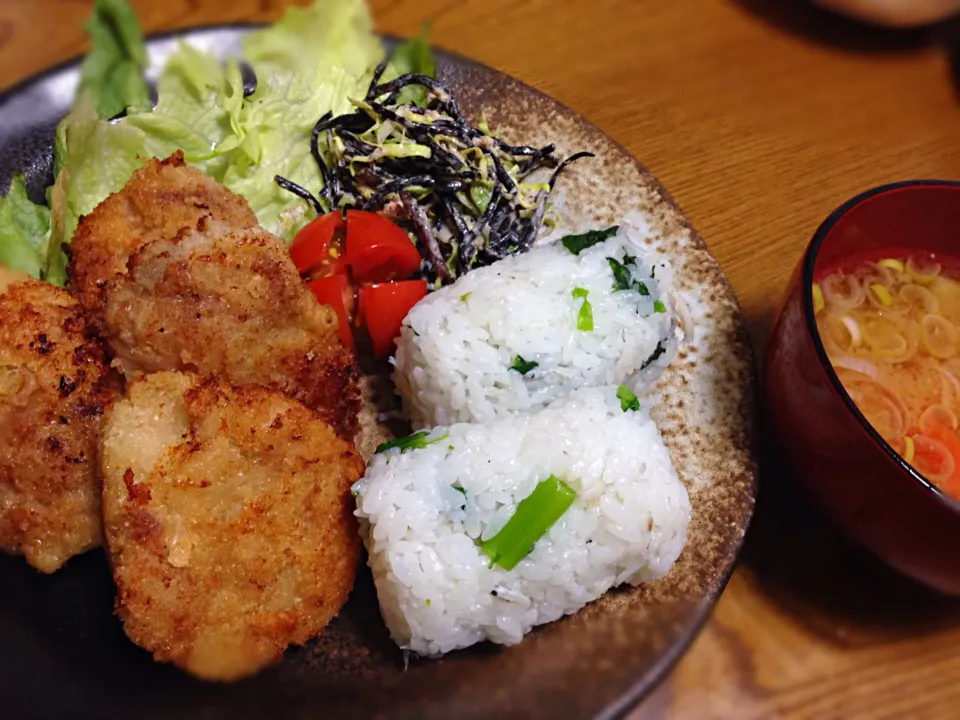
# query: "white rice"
(436, 589)
(456, 348)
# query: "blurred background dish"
(894, 13)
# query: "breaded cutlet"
(54, 385)
(194, 284)
(229, 522)
(159, 200)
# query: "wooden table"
(760, 118)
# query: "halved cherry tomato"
(378, 250)
(337, 292)
(383, 307)
(317, 249)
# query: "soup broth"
(890, 324)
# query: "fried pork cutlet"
(54, 385)
(210, 292)
(159, 201)
(228, 519)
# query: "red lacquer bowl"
(827, 445)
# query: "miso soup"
(890, 325)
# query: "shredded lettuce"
(24, 228)
(112, 72)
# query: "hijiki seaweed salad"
(408, 151)
(227, 255)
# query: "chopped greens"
(523, 366)
(463, 298)
(659, 307)
(655, 355)
(534, 516)
(585, 314)
(628, 399)
(459, 490)
(621, 275)
(578, 243)
(417, 441)
(112, 72)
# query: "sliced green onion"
(535, 514)
(417, 441)
(523, 366)
(480, 196)
(628, 399)
(463, 298)
(585, 314)
(659, 307)
(641, 288)
(578, 243)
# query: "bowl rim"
(809, 319)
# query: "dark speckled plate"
(63, 654)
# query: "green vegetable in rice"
(417, 441)
(523, 366)
(623, 277)
(578, 243)
(585, 314)
(659, 307)
(534, 516)
(628, 399)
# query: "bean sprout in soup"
(891, 328)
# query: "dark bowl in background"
(826, 443)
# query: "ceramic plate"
(64, 654)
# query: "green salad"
(306, 65)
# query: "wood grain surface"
(760, 118)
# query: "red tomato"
(337, 292)
(384, 306)
(378, 250)
(317, 249)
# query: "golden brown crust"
(159, 200)
(54, 386)
(176, 275)
(229, 521)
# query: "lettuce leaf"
(113, 69)
(98, 157)
(329, 33)
(24, 229)
(412, 56)
(311, 62)
(276, 127)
